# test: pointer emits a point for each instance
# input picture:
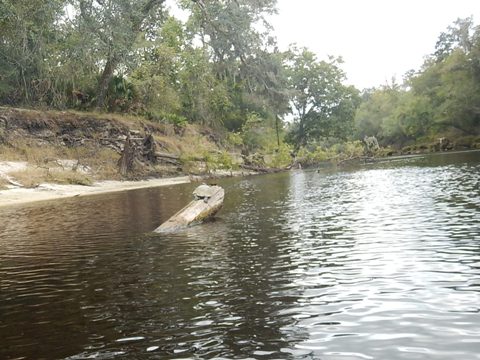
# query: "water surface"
(375, 262)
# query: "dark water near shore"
(376, 262)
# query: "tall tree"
(28, 34)
(322, 105)
(113, 27)
(460, 34)
(450, 79)
(376, 114)
(235, 34)
(442, 98)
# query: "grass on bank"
(34, 138)
(46, 158)
(33, 177)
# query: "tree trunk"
(150, 149)
(125, 164)
(301, 136)
(277, 131)
(104, 81)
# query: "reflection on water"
(379, 262)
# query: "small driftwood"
(197, 211)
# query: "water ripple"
(381, 262)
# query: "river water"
(379, 261)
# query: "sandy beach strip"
(17, 195)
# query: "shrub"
(218, 161)
(352, 149)
(281, 156)
(468, 142)
(234, 139)
(335, 153)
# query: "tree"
(112, 28)
(458, 35)
(157, 74)
(442, 97)
(27, 37)
(275, 87)
(412, 116)
(458, 95)
(321, 104)
(239, 51)
(229, 27)
(450, 79)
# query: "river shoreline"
(45, 192)
(17, 195)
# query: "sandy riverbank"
(43, 192)
(16, 193)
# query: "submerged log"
(200, 209)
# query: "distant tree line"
(222, 68)
(441, 98)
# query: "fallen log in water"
(205, 206)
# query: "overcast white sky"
(377, 39)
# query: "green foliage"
(314, 156)
(348, 150)
(258, 134)
(218, 161)
(234, 139)
(222, 69)
(336, 153)
(121, 94)
(176, 120)
(225, 161)
(114, 30)
(248, 77)
(281, 156)
(170, 118)
(28, 33)
(130, 56)
(253, 132)
(157, 76)
(229, 29)
(468, 142)
(413, 115)
(321, 105)
(375, 116)
(441, 97)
